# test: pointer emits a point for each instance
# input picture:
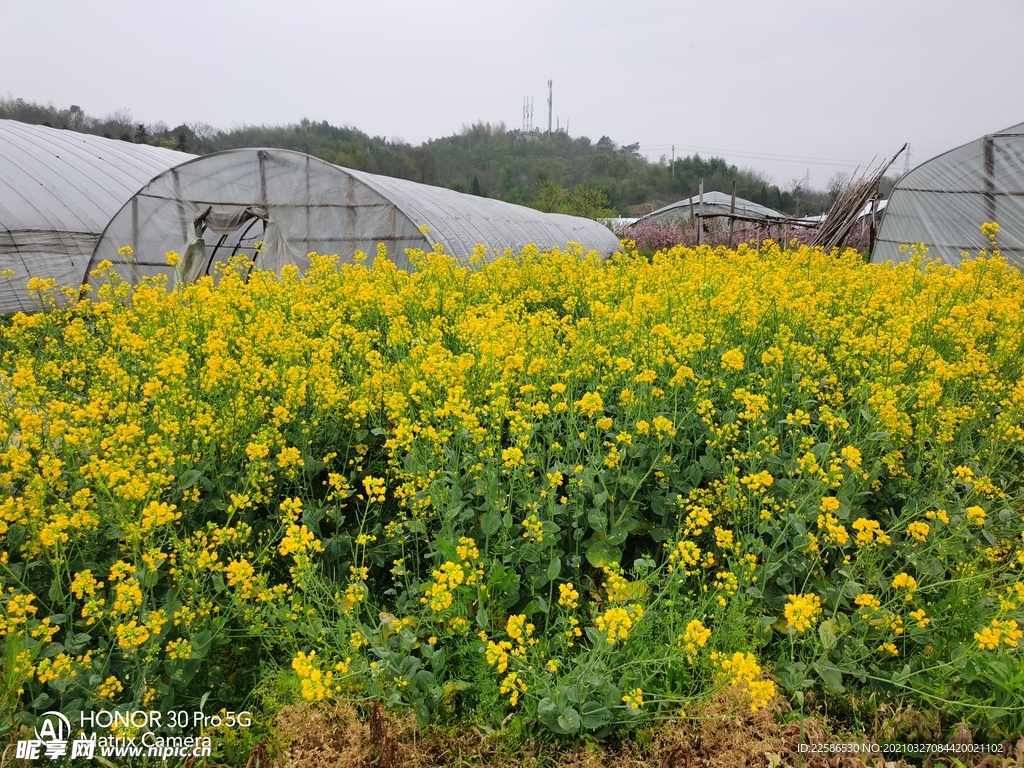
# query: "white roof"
(944, 201)
(316, 206)
(866, 210)
(58, 190)
(716, 201)
(69, 181)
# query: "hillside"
(554, 172)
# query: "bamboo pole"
(700, 216)
(732, 211)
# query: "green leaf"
(423, 679)
(490, 524)
(447, 550)
(618, 535)
(661, 534)
(792, 676)
(547, 712)
(830, 675)
(612, 696)
(565, 694)
(15, 535)
(601, 553)
(593, 715)
(189, 478)
(569, 720)
(554, 568)
(56, 589)
(694, 475)
(827, 634)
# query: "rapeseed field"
(575, 494)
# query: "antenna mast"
(550, 102)
(528, 114)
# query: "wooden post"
(871, 237)
(732, 210)
(700, 216)
(690, 198)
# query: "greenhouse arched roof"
(297, 204)
(58, 190)
(944, 201)
(712, 202)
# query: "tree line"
(551, 172)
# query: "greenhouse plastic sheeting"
(944, 201)
(58, 190)
(714, 203)
(313, 206)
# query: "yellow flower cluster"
(447, 579)
(568, 597)
(512, 686)
(733, 359)
(833, 531)
(695, 637)
(533, 529)
(742, 671)
(634, 699)
(376, 489)
(316, 686)
(298, 541)
(907, 582)
(686, 555)
(1007, 632)
(615, 623)
(109, 688)
(919, 530)
(159, 513)
(870, 532)
(802, 611)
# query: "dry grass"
(722, 735)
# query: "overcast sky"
(783, 86)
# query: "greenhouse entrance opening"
(241, 232)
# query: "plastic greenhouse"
(58, 190)
(216, 206)
(714, 203)
(944, 201)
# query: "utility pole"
(673, 161)
(550, 102)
